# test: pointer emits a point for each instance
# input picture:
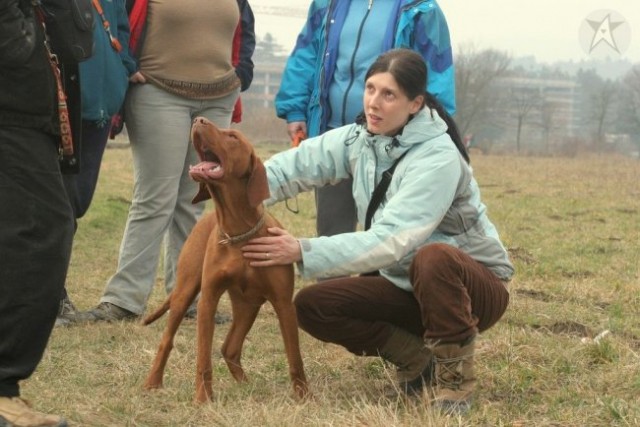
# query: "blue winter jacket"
(432, 197)
(416, 24)
(104, 77)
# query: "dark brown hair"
(410, 73)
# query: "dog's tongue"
(204, 171)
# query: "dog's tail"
(158, 313)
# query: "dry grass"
(573, 229)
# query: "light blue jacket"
(415, 24)
(432, 197)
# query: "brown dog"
(211, 262)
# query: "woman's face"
(386, 106)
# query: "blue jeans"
(36, 232)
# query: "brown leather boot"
(453, 375)
(412, 360)
(15, 412)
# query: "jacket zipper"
(352, 65)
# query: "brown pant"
(453, 298)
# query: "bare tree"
(548, 122)
(599, 100)
(631, 100)
(523, 102)
(476, 70)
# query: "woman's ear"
(417, 104)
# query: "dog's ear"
(203, 194)
(257, 186)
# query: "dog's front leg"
(207, 306)
(244, 315)
(289, 329)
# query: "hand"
(281, 248)
(137, 77)
(294, 127)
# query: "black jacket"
(27, 83)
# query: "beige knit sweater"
(187, 47)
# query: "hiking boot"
(453, 376)
(221, 319)
(15, 412)
(66, 312)
(105, 312)
(413, 362)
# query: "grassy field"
(572, 227)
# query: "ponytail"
(432, 103)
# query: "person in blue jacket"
(437, 270)
(104, 79)
(323, 79)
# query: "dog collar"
(229, 240)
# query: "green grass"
(572, 227)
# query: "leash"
(63, 110)
(295, 142)
(230, 240)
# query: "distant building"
(543, 111)
(266, 82)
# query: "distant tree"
(476, 71)
(548, 122)
(523, 102)
(630, 105)
(600, 97)
(268, 49)
(631, 99)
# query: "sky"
(550, 30)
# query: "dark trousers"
(335, 209)
(453, 298)
(36, 232)
(81, 187)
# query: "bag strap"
(63, 110)
(380, 191)
(115, 43)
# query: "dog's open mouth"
(209, 168)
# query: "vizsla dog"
(211, 262)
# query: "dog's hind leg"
(189, 270)
(179, 305)
(188, 280)
(244, 315)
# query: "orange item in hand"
(298, 138)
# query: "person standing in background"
(186, 53)
(37, 221)
(104, 79)
(323, 81)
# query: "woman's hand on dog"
(280, 248)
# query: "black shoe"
(66, 312)
(105, 312)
